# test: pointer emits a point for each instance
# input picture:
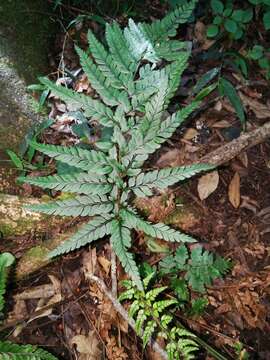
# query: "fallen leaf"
(105, 263)
(190, 134)
(208, 184)
(87, 346)
(234, 191)
(261, 111)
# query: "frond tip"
(11, 351)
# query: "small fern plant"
(153, 318)
(9, 350)
(135, 86)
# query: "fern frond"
(160, 306)
(93, 230)
(109, 95)
(92, 108)
(89, 160)
(6, 260)
(161, 30)
(148, 331)
(11, 351)
(151, 295)
(81, 183)
(106, 63)
(159, 230)
(79, 206)
(120, 51)
(139, 45)
(143, 184)
(171, 50)
(141, 148)
(174, 72)
(121, 241)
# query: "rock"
(26, 30)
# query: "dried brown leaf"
(208, 184)
(234, 191)
(88, 346)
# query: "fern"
(6, 260)
(135, 86)
(11, 351)
(152, 318)
(200, 267)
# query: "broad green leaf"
(230, 92)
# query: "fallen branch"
(119, 308)
(230, 150)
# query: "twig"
(114, 273)
(230, 150)
(119, 308)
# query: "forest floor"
(232, 220)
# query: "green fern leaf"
(174, 72)
(10, 351)
(92, 108)
(171, 50)
(201, 271)
(106, 63)
(160, 306)
(134, 308)
(120, 51)
(161, 30)
(141, 318)
(148, 331)
(141, 149)
(159, 230)
(139, 45)
(110, 96)
(93, 230)
(121, 241)
(81, 183)
(89, 160)
(79, 206)
(142, 184)
(6, 260)
(153, 294)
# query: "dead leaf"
(261, 111)
(105, 263)
(200, 31)
(87, 346)
(37, 292)
(222, 124)
(190, 134)
(208, 184)
(234, 191)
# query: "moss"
(183, 217)
(32, 260)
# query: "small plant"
(134, 96)
(233, 21)
(9, 350)
(200, 267)
(152, 316)
(261, 55)
(22, 160)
